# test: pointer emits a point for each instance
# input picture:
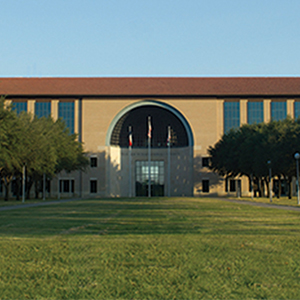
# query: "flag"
(149, 156)
(169, 137)
(130, 139)
(149, 128)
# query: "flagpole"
(130, 145)
(169, 161)
(149, 156)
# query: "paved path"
(243, 202)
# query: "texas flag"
(130, 139)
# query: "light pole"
(270, 183)
(297, 156)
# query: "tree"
(10, 132)
(40, 144)
(246, 151)
(57, 150)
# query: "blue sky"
(150, 38)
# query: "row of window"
(255, 112)
(144, 165)
(94, 164)
(66, 111)
(67, 186)
(231, 185)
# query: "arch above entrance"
(136, 115)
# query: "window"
(142, 178)
(18, 107)
(278, 110)
(93, 162)
(205, 161)
(66, 186)
(231, 115)
(66, 112)
(161, 119)
(42, 109)
(255, 112)
(205, 186)
(232, 185)
(297, 109)
(93, 186)
(156, 171)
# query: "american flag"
(149, 128)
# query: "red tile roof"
(151, 86)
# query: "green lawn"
(177, 248)
(283, 200)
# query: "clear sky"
(149, 38)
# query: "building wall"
(97, 116)
(181, 175)
(205, 116)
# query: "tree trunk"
(279, 188)
(18, 186)
(255, 187)
(6, 186)
(268, 188)
(29, 186)
(250, 178)
(36, 189)
(263, 187)
(259, 187)
(289, 185)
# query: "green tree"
(247, 150)
(40, 144)
(10, 133)
(38, 154)
(56, 150)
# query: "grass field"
(177, 248)
(283, 200)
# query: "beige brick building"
(198, 111)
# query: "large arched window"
(137, 119)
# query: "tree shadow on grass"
(147, 217)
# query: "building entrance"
(155, 128)
(156, 178)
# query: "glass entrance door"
(142, 178)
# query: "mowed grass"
(177, 248)
(283, 200)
